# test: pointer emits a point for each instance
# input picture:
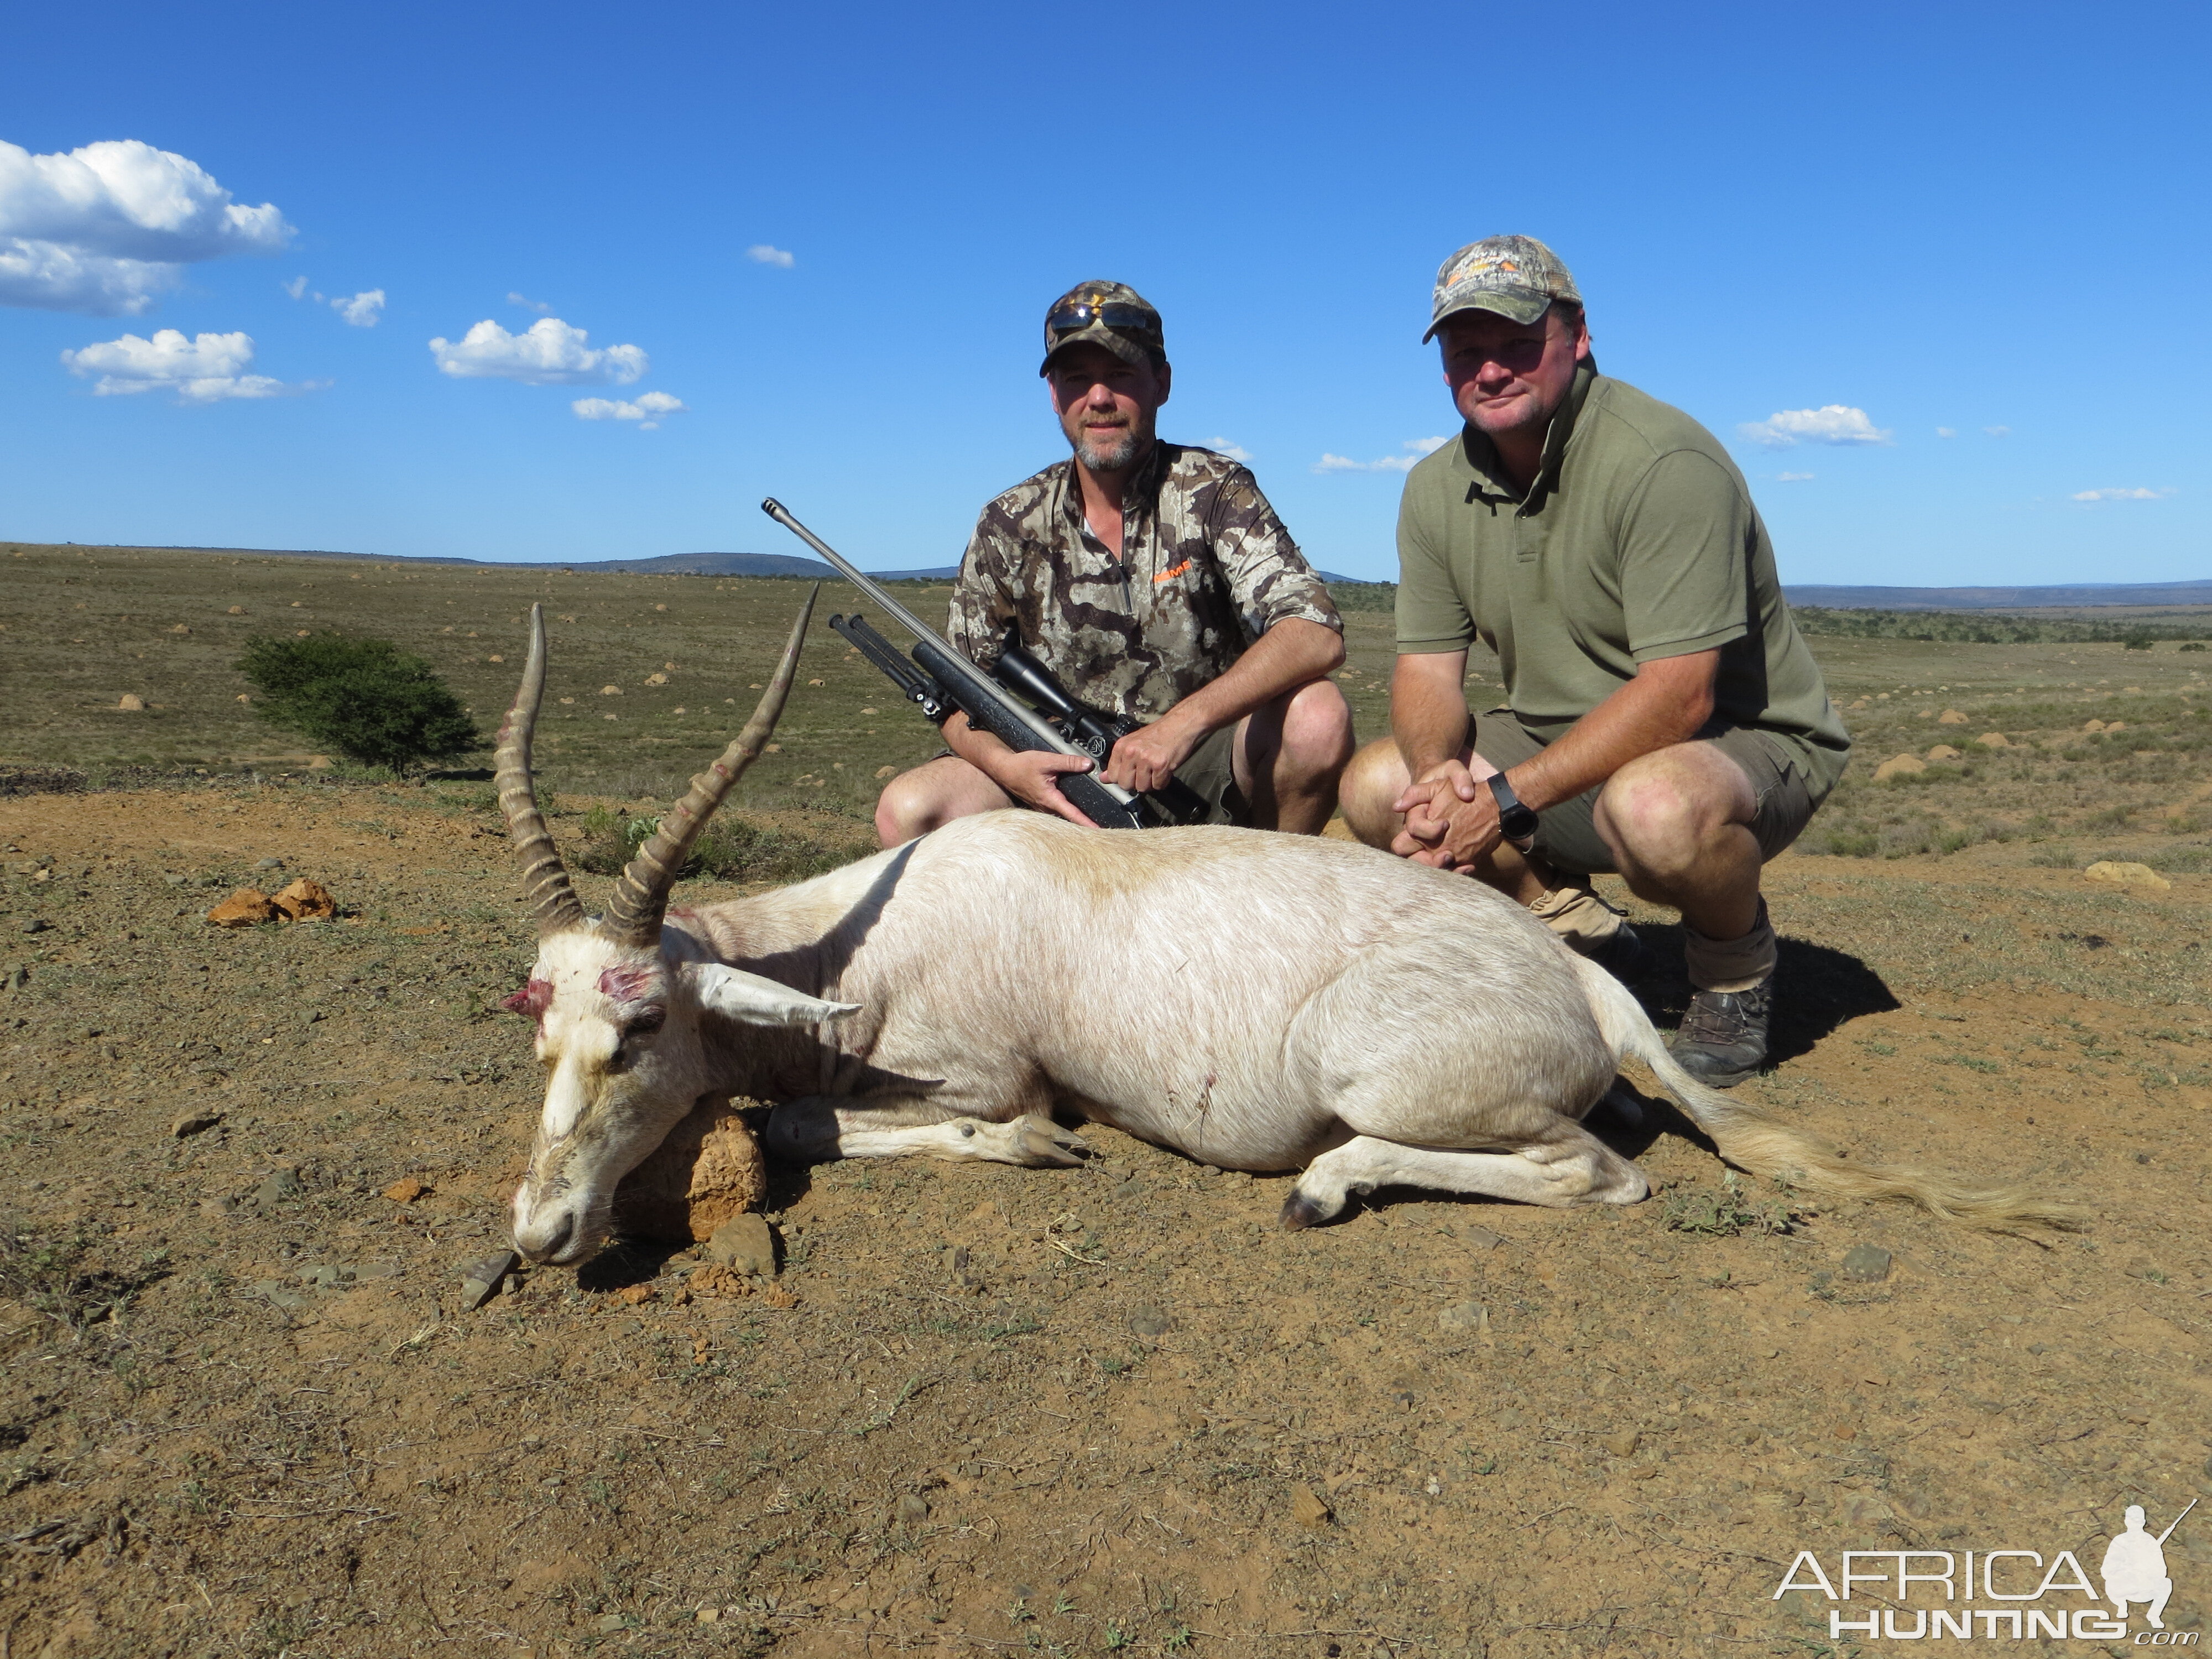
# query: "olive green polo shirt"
(1637, 541)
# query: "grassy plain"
(1019, 1411)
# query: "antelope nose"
(548, 1244)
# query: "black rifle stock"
(986, 707)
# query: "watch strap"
(1517, 820)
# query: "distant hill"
(707, 564)
(1999, 598)
(667, 564)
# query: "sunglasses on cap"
(1113, 314)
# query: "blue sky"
(1988, 221)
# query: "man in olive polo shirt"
(1663, 716)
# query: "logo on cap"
(1516, 277)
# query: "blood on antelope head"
(531, 1000)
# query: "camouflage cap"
(1110, 314)
(1514, 276)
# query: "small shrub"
(1844, 841)
(1903, 840)
(1725, 1212)
(729, 848)
(2136, 642)
(54, 1275)
(365, 698)
(2191, 644)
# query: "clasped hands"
(1451, 820)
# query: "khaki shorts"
(1567, 837)
(1211, 771)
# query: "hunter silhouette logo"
(2034, 1596)
(2135, 1566)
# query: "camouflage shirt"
(1206, 568)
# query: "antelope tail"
(1761, 1144)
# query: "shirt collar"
(1481, 455)
(1138, 490)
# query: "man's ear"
(753, 1000)
(1165, 376)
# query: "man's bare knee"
(1375, 777)
(1661, 813)
(1316, 738)
(936, 792)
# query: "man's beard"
(1109, 448)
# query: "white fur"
(1258, 1001)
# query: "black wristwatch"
(1516, 821)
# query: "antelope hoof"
(1300, 1211)
(1040, 1143)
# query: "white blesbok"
(1257, 1001)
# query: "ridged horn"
(641, 897)
(545, 879)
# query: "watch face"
(1514, 816)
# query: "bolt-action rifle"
(940, 680)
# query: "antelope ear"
(754, 1001)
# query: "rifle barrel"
(860, 579)
(2178, 1520)
(931, 649)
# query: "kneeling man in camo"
(1663, 717)
(1155, 583)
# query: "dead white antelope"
(1257, 1001)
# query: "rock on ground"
(248, 907)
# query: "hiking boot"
(1722, 1038)
(1624, 955)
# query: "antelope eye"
(648, 1021)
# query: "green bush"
(728, 847)
(365, 698)
(1727, 1212)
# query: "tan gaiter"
(1577, 915)
(1730, 964)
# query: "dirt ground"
(247, 1410)
(1080, 1412)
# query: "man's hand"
(1148, 756)
(1451, 820)
(1031, 777)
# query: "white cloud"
(646, 410)
(2137, 495)
(1416, 448)
(1947, 431)
(1234, 451)
(361, 310)
(528, 304)
(1831, 424)
(1998, 431)
(295, 288)
(204, 370)
(762, 253)
(551, 353)
(107, 227)
(1793, 477)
